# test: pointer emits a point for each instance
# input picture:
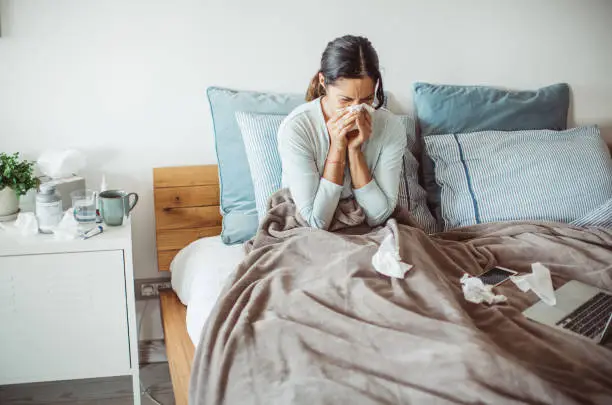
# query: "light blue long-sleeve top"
(303, 143)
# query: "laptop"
(580, 310)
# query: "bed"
(193, 217)
(286, 325)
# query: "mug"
(114, 205)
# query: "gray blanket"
(307, 320)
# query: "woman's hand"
(338, 127)
(364, 131)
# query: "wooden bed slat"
(183, 176)
(190, 217)
(172, 239)
(180, 197)
(164, 258)
(179, 348)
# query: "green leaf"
(17, 174)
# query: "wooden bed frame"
(186, 209)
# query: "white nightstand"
(67, 308)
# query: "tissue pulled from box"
(61, 163)
(474, 290)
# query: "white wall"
(125, 80)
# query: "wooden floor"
(154, 377)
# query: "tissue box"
(65, 186)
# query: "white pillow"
(202, 268)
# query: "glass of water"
(84, 206)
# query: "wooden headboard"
(186, 208)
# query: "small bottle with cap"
(48, 207)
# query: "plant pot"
(9, 202)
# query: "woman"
(324, 159)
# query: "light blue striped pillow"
(600, 217)
(261, 146)
(544, 175)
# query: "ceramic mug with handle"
(115, 205)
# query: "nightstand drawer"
(63, 316)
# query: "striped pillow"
(259, 133)
(261, 146)
(544, 175)
(600, 217)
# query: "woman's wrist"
(335, 148)
(354, 152)
(336, 156)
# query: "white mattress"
(199, 272)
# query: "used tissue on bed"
(539, 281)
(387, 260)
(474, 290)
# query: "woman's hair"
(348, 57)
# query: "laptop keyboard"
(590, 318)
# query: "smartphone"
(496, 275)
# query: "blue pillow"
(524, 175)
(445, 109)
(259, 133)
(237, 194)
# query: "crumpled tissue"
(474, 290)
(359, 107)
(387, 260)
(61, 163)
(68, 227)
(26, 224)
(539, 281)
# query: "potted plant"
(16, 178)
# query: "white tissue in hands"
(359, 107)
(474, 290)
(387, 260)
(539, 281)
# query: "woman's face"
(347, 92)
